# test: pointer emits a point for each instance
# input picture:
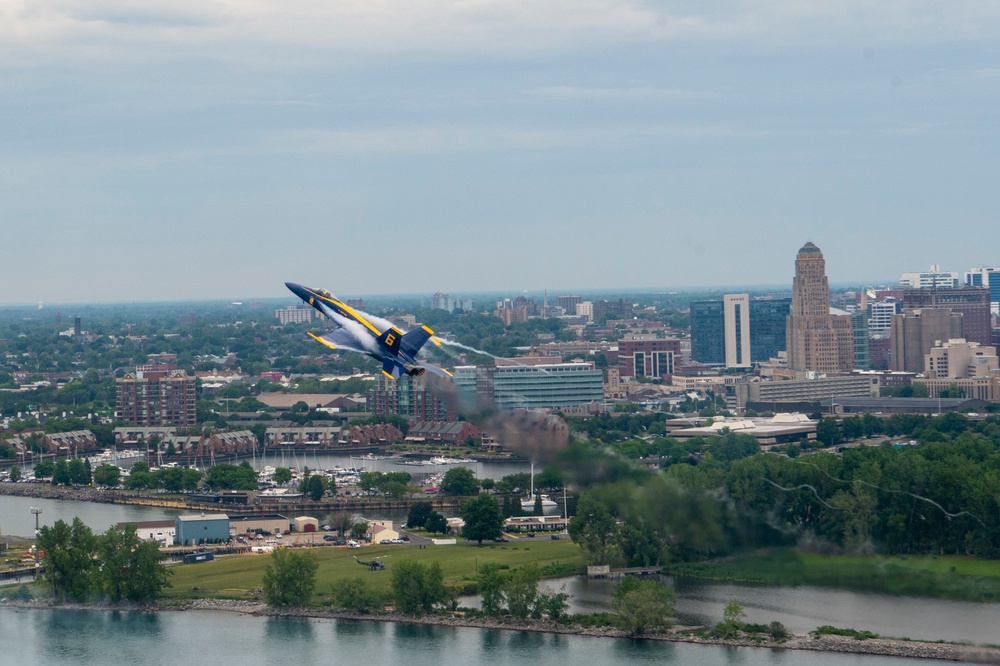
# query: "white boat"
(528, 503)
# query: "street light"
(35, 510)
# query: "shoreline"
(888, 647)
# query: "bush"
(354, 594)
(837, 631)
(778, 631)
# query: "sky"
(217, 149)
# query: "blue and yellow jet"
(360, 332)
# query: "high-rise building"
(619, 309)
(972, 302)
(410, 397)
(758, 325)
(156, 398)
(569, 303)
(816, 340)
(441, 301)
(930, 279)
(862, 358)
(293, 315)
(916, 331)
(708, 339)
(880, 315)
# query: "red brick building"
(655, 358)
(156, 398)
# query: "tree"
(418, 514)
(482, 519)
(69, 558)
(436, 523)
(15, 473)
(43, 469)
(77, 472)
(642, 605)
(60, 474)
(231, 477)
(290, 577)
(827, 431)
(417, 588)
(521, 591)
(538, 509)
(492, 578)
(131, 569)
(460, 481)
(550, 478)
(107, 475)
(358, 529)
(732, 619)
(316, 487)
(395, 489)
(342, 522)
(594, 529)
(282, 476)
(733, 612)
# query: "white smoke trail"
(452, 343)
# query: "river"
(800, 609)
(84, 638)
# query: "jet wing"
(340, 339)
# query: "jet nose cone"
(298, 290)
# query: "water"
(802, 609)
(16, 517)
(82, 638)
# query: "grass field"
(232, 577)
(947, 577)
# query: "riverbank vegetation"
(946, 577)
(114, 566)
(720, 496)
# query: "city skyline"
(213, 151)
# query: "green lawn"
(233, 576)
(950, 577)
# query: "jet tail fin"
(415, 339)
(390, 340)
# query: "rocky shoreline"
(843, 644)
(48, 491)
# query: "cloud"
(644, 92)
(39, 30)
(479, 138)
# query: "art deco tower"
(810, 289)
(816, 340)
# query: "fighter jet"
(366, 334)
